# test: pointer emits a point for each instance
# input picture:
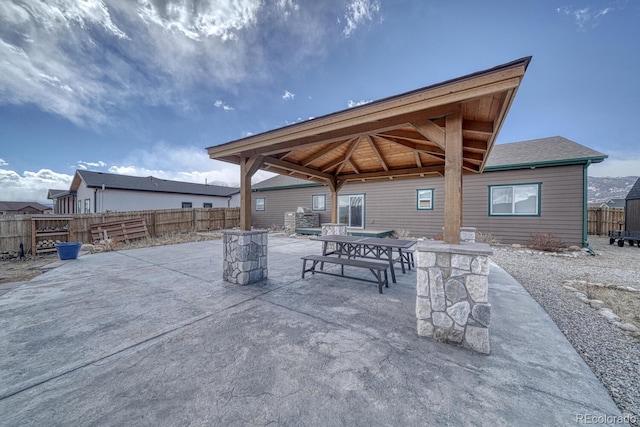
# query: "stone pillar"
(467, 234)
(329, 229)
(244, 256)
(452, 303)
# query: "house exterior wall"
(125, 200)
(277, 202)
(632, 215)
(393, 204)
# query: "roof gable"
(149, 183)
(634, 193)
(402, 136)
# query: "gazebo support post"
(334, 228)
(452, 302)
(245, 250)
(453, 178)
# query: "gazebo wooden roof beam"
(447, 128)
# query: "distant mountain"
(602, 189)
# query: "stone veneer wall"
(303, 218)
(329, 229)
(244, 256)
(452, 303)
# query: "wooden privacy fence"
(16, 229)
(602, 220)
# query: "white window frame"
(316, 205)
(423, 191)
(514, 198)
(260, 204)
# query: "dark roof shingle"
(150, 183)
(634, 193)
(552, 150)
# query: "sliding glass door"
(351, 210)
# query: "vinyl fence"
(16, 229)
(602, 220)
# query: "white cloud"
(86, 165)
(351, 104)
(584, 17)
(190, 164)
(31, 186)
(3, 163)
(221, 104)
(288, 95)
(209, 19)
(358, 12)
(92, 60)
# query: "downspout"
(585, 215)
(95, 200)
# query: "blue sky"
(141, 87)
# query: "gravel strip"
(611, 353)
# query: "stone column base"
(244, 256)
(452, 303)
(329, 229)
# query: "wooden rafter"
(421, 148)
(328, 149)
(430, 130)
(392, 173)
(477, 127)
(376, 151)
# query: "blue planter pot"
(68, 250)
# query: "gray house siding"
(392, 204)
(277, 202)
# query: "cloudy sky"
(141, 87)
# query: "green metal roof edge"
(564, 162)
(287, 187)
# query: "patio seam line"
(82, 365)
(555, 396)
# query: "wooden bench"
(407, 257)
(120, 231)
(378, 269)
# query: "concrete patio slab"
(155, 337)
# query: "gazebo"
(446, 129)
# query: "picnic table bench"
(378, 269)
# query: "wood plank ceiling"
(397, 137)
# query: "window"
(87, 205)
(351, 210)
(517, 199)
(424, 199)
(318, 202)
(260, 204)
(207, 205)
(79, 208)
(187, 205)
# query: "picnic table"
(368, 247)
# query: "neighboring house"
(632, 208)
(64, 201)
(15, 208)
(95, 192)
(531, 186)
(611, 203)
